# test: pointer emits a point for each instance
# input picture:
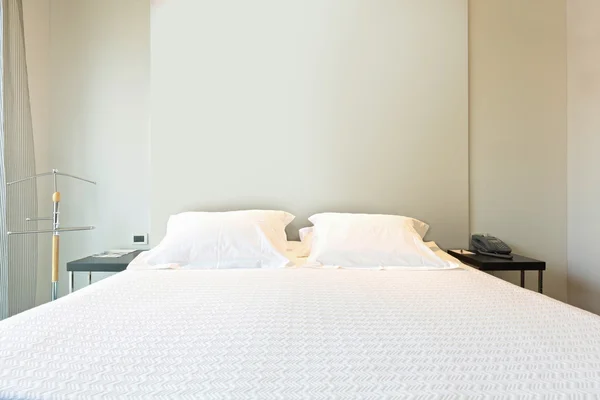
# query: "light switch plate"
(140, 238)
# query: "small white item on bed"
(305, 233)
(371, 241)
(306, 237)
(236, 239)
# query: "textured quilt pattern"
(301, 334)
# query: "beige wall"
(584, 153)
(340, 105)
(89, 65)
(100, 68)
(518, 133)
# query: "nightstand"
(99, 264)
(518, 263)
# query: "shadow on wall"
(587, 294)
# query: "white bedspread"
(301, 333)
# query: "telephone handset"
(491, 246)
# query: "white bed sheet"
(301, 333)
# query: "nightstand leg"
(541, 281)
(522, 278)
(89, 277)
(70, 281)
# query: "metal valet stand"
(56, 229)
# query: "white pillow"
(420, 227)
(306, 234)
(273, 222)
(237, 239)
(365, 240)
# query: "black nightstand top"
(487, 263)
(103, 264)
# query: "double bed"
(301, 332)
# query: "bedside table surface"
(488, 263)
(102, 264)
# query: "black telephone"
(491, 246)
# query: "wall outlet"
(140, 238)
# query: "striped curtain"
(18, 260)
(3, 227)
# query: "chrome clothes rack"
(55, 218)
